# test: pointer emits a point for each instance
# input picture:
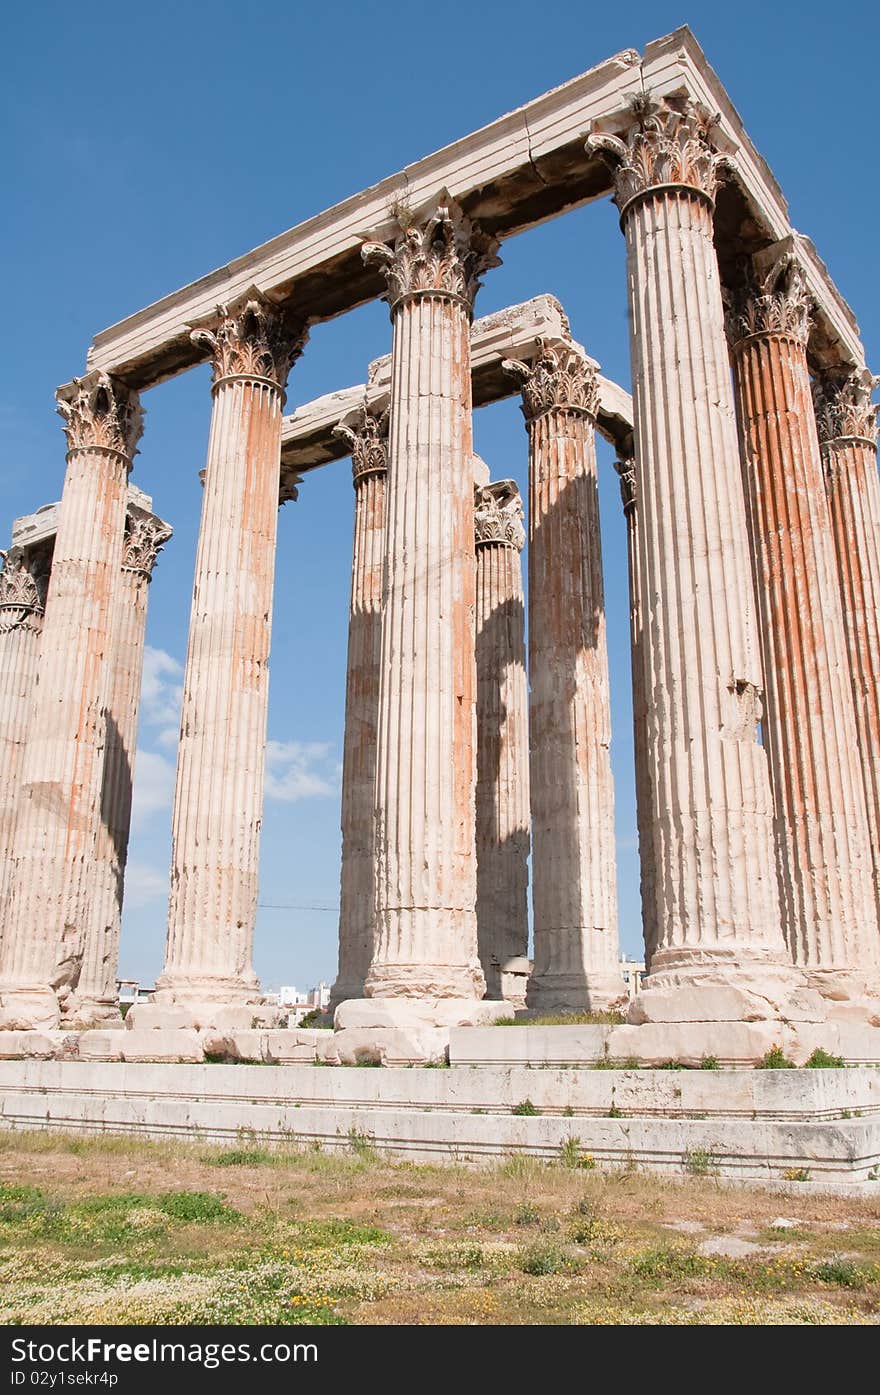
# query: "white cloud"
(153, 786)
(300, 770)
(143, 885)
(162, 694)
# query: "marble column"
(626, 470)
(502, 795)
(96, 998)
(367, 434)
(426, 932)
(720, 952)
(218, 800)
(847, 426)
(574, 895)
(823, 854)
(23, 581)
(53, 882)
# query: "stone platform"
(816, 1126)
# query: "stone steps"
(746, 1125)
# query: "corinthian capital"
(440, 251)
(844, 407)
(662, 145)
(100, 414)
(626, 470)
(145, 536)
(23, 582)
(252, 338)
(561, 376)
(498, 515)
(774, 303)
(367, 436)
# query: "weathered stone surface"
(272, 1047)
(572, 790)
(626, 468)
(426, 932)
(532, 1046)
(753, 1125)
(821, 827)
(100, 1046)
(717, 910)
(28, 1045)
(419, 1012)
(367, 435)
(403, 1046)
(219, 1017)
(94, 998)
(22, 602)
(52, 885)
(502, 791)
(847, 423)
(174, 1044)
(218, 809)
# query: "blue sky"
(143, 146)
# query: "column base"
(723, 991)
(91, 1012)
(420, 1012)
(420, 981)
(24, 1009)
(404, 1031)
(569, 993)
(206, 1016)
(206, 988)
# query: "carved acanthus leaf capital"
(560, 376)
(777, 302)
(498, 515)
(440, 252)
(366, 434)
(626, 469)
(23, 582)
(145, 536)
(844, 407)
(664, 144)
(252, 338)
(100, 413)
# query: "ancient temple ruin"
(748, 475)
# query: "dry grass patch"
(121, 1230)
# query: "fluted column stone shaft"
(218, 800)
(644, 814)
(426, 935)
(576, 949)
(96, 997)
(847, 423)
(502, 794)
(22, 601)
(357, 900)
(53, 882)
(825, 868)
(717, 909)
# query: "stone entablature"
(514, 173)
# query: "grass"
(775, 1059)
(823, 1060)
(525, 1107)
(116, 1230)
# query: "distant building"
(130, 991)
(632, 971)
